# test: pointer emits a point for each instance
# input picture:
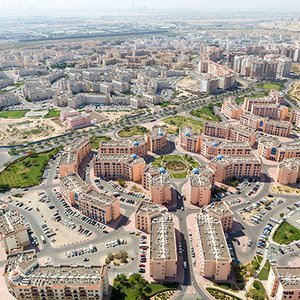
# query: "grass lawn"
(133, 287)
(13, 114)
(180, 121)
(132, 131)
(264, 273)
(257, 291)
(27, 171)
(206, 113)
(165, 160)
(96, 139)
(53, 113)
(241, 100)
(164, 104)
(286, 233)
(268, 85)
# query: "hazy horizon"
(35, 7)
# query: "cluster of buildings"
(5, 81)
(8, 99)
(38, 89)
(214, 76)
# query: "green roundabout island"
(179, 166)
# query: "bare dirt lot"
(294, 92)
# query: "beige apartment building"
(227, 167)
(213, 147)
(278, 128)
(145, 212)
(283, 283)
(211, 248)
(157, 140)
(13, 231)
(231, 109)
(270, 148)
(163, 248)
(100, 207)
(288, 171)
(199, 187)
(190, 140)
(27, 280)
(116, 166)
(158, 182)
(124, 147)
(73, 156)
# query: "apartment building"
(156, 140)
(190, 140)
(144, 214)
(9, 99)
(211, 248)
(124, 147)
(27, 280)
(13, 231)
(116, 166)
(222, 212)
(199, 188)
(295, 117)
(227, 167)
(288, 171)
(231, 109)
(213, 147)
(98, 206)
(163, 248)
(79, 120)
(226, 131)
(73, 156)
(278, 128)
(283, 283)
(270, 148)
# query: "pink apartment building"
(163, 248)
(124, 147)
(288, 171)
(283, 283)
(114, 166)
(227, 167)
(157, 140)
(73, 156)
(190, 140)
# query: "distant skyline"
(34, 7)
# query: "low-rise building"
(227, 167)
(163, 248)
(157, 140)
(231, 109)
(145, 212)
(288, 171)
(116, 166)
(13, 231)
(283, 283)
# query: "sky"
(33, 7)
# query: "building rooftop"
(218, 209)
(198, 180)
(225, 143)
(148, 207)
(74, 183)
(123, 143)
(161, 179)
(289, 277)
(70, 153)
(290, 163)
(211, 238)
(157, 132)
(98, 199)
(125, 158)
(20, 259)
(11, 222)
(236, 159)
(162, 238)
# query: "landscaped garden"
(218, 294)
(206, 113)
(264, 273)
(95, 140)
(132, 131)
(241, 100)
(53, 113)
(178, 166)
(286, 234)
(257, 291)
(136, 287)
(13, 114)
(27, 171)
(180, 121)
(269, 85)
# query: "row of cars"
(115, 243)
(81, 252)
(143, 254)
(22, 205)
(264, 236)
(118, 187)
(33, 239)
